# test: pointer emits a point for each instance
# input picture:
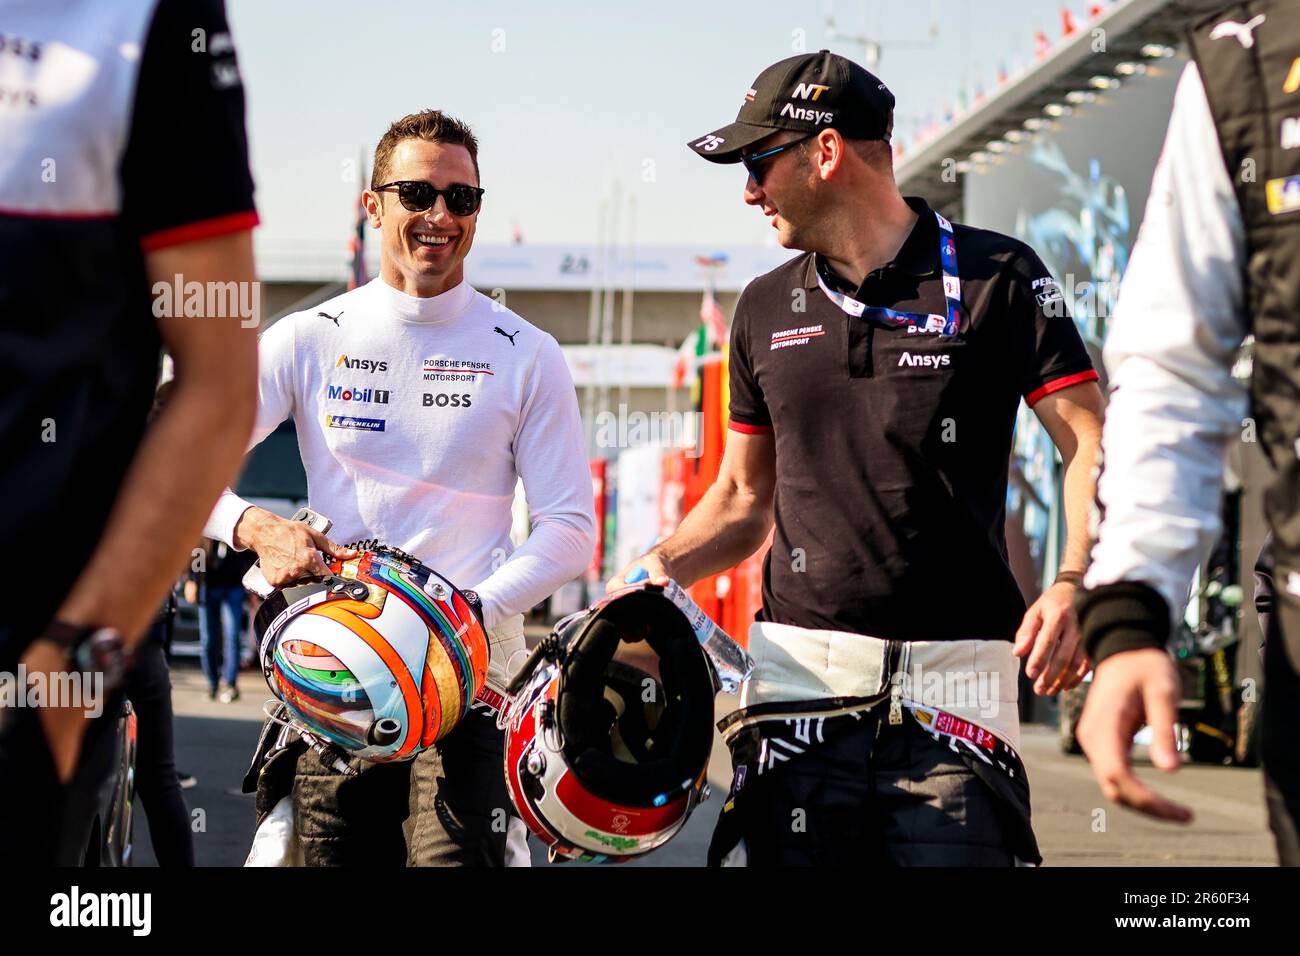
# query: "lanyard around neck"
(914, 322)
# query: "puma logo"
(332, 318)
(500, 331)
(1244, 32)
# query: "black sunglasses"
(751, 162)
(418, 196)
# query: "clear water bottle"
(731, 663)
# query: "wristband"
(1123, 616)
(91, 650)
(1069, 577)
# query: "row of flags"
(357, 242)
(703, 345)
(357, 249)
(707, 341)
(974, 96)
(1069, 26)
(702, 361)
(710, 314)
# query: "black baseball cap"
(806, 93)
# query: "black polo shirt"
(892, 448)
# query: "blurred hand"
(65, 727)
(654, 564)
(287, 550)
(1049, 634)
(1128, 690)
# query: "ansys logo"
(361, 365)
(812, 116)
(924, 361)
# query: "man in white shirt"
(419, 403)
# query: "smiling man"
(875, 381)
(416, 415)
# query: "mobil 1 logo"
(370, 396)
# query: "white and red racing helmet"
(609, 726)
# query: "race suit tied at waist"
(506, 652)
(808, 686)
(799, 672)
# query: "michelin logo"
(350, 421)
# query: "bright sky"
(566, 98)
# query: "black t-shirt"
(225, 566)
(892, 447)
(126, 136)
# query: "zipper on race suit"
(894, 652)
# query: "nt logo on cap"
(806, 93)
(810, 91)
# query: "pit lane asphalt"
(1075, 826)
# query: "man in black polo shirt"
(874, 387)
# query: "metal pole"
(624, 389)
(593, 321)
(607, 317)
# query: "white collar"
(444, 307)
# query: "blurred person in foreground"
(1217, 258)
(123, 170)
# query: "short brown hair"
(875, 152)
(432, 126)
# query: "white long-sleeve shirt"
(1174, 404)
(415, 418)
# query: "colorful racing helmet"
(609, 727)
(382, 658)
